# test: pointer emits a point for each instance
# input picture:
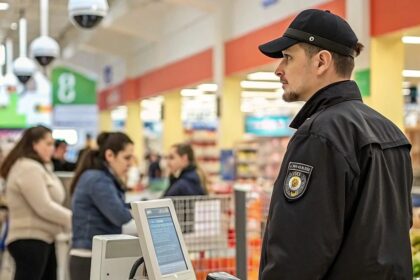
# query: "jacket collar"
(186, 170)
(328, 96)
(117, 182)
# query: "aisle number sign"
(74, 99)
(71, 87)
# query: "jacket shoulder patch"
(297, 179)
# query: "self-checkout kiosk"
(159, 251)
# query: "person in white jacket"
(34, 196)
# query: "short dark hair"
(344, 65)
(58, 142)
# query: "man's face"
(60, 151)
(296, 73)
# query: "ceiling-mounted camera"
(24, 68)
(87, 13)
(45, 49)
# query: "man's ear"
(323, 61)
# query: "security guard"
(341, 205)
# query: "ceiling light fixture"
(411, 73)
(266, 94)
(410, 40)
(4, 6)
(190, 92)
(208, 87)
(263, 76)
(261, 85)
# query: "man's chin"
(290, 97)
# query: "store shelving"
(207, 154)
(260, 158)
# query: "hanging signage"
(74, 99)
(268, 126)
(72, 88)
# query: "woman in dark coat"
(186, 178)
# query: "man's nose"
(280, 69)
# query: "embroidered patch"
(297, 179)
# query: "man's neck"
(323, 84)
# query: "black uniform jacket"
(341, 205)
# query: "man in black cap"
(341, 205)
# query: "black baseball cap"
(318, 28)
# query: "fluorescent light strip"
(191, 92)
(260, 85)
(269, 94)
(410, 40)
(262, 76)
(411, 73)
(4, 6)
(208, 87)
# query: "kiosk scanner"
(160, 243)
(113, 256)
(164, 251)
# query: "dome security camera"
(45, 49)
(24, 68)
(87, 13)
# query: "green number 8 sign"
(67, 88)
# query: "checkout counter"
(159, 252)
(63, 240)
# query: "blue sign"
(268, 126)
(227, 165)
(267, 3)
(201, 125)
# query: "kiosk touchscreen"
(161, 241)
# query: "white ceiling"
(129, 26)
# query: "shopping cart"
(207, 224)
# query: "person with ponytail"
(98, 200)
(34, 196)
(186, 178)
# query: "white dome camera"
(24, 68)
(45, 49)
(87, 13)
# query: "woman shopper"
(98, 201)
(185, 176)
(34, 196)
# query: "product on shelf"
(207, 154)
(260, 158)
